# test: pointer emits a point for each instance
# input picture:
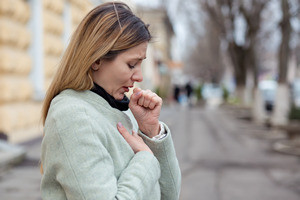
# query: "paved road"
(221, 158)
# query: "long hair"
(106, 31)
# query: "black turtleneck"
(121, 105)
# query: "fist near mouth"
(145, 106)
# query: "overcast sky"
(179, 22)
(148, 3)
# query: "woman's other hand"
(145, 105)
(135, 141)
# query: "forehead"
(137, 52)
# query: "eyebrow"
(138, 58)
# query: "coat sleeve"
(83, 166)
(163, 149)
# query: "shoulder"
(71, 107)
(69, 97)
(67, 102)
(71, 116)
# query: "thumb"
(137, 93)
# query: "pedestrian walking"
(189, 92)
(176, 93)
(188, 89)
(88, 150)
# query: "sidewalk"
(22, 181)
(10, 155)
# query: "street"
(221, 158)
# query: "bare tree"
(284, 50)
(282, 103)
(225, 14)
(204, 61)
(297, 50)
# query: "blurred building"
(158, 77)
(33, 34)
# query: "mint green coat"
(84, 156)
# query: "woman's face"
(118, 75)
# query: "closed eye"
(131, 66)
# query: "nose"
(137, 75)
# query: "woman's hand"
(135, 141)
(145, 105)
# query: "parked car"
(268, 91)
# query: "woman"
(87, 150)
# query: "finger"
(147, 102)
(152, 105)
(136, 136)
(122, 130)
(141, 99)
(148, 98)
(155, 101)
(137, 92)
(145, 99)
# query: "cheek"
(124, 75)
(97, 76)
(124, 78)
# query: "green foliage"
(233, 100)
(160, 92)
(198, 92)
(225, 93)
(294, 113)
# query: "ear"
(96, 65)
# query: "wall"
(32, 38)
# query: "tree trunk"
(282, 103)
(237, 56)
(297, 73)
(258, 110)
(240, 93)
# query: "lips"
(126, 88)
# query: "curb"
(288, 147)
(10, 155)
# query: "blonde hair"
(106, 31)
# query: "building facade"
(33, 34)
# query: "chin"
(119, 97)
